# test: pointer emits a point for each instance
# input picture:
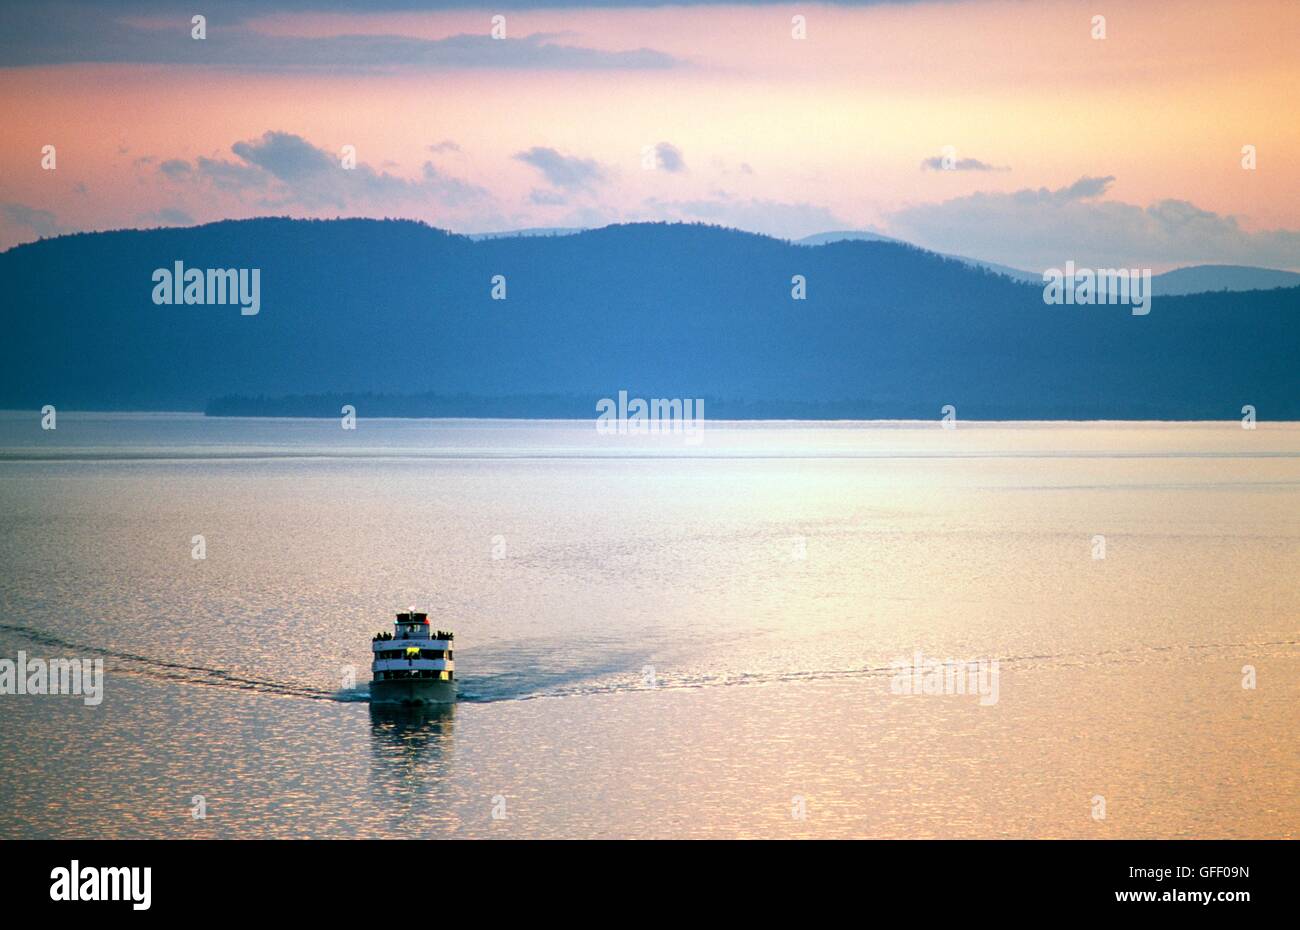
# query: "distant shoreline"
(583, 407)
(22, 412)
(712, 416)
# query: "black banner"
(399, 880)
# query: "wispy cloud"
(34, 35)
(1041, 228)
(568, 172)
(959, 164)
(541, 197)
(39, 222)
(670, 158)
(284, 169)
(167, 216)
(174, 168)
(288, 157)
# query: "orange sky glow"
(783, 136)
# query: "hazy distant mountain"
(1014, 273)
(1198, 279)
(530, 231)
(865, 236)
(1195, 279)
(846, 235)
(349, 307)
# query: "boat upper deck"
(414, 626)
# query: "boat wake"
(617, 672)
(130, 663)
(612, 669)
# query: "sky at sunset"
(1124, 150)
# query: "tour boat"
(412, 665)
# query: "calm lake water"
(655, 637)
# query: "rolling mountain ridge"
(661, 310)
